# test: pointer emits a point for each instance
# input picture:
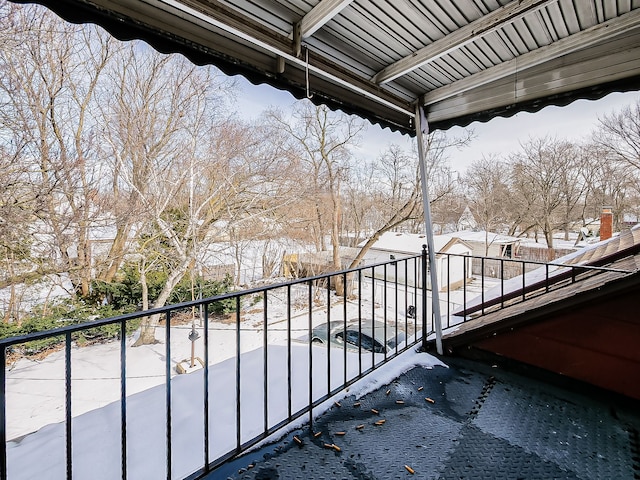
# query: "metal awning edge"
(328, 85)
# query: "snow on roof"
(541, 243)
(410, 243)
(483, 236)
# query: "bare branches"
(619, 134)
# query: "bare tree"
(540, 175)
(404, 191)
(611, 182)
(16, 219)
(322, 140)
(362, 203)
(184, 168)
(572, 186)
(395, 172)
(50, 76)
(520, 199)
(155, 100)
(619, 133)
(486, 190)
(618, 137)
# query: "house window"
(507, 252)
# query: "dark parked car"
(370, 338)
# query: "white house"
(489, 244)
(467, 221)
(450, 259)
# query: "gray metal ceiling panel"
(275, 15)
(454, 56)
(562, 75)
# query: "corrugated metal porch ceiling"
(464, 60)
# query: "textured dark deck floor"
(484, 423)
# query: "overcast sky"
(499, 136)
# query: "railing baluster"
(373, 319)
(3, 415)
(449, 290)
(344, 329)
(205, 314)
(310, 356)
(289, 365)
(238, 389)
(265, 363)
(425, 276)
(395, 299)
(415, 295)
(384, 302)
(464, 282)
(406, 299)
(328, 335)
(524, 285)
(359, 321)
(67, 396)
(123, 398)
(482, 283)
(546, 277)
(168, 388)
(501, 283)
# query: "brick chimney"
(606, 223)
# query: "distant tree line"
(554, 186)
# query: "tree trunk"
(335, 243)
(11, 306)
(548, 235)
(116, 253)
(149, 324)
(322, 244)
(145, 289)
(148, 331)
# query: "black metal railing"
(488, 284)
(263, 367)
(271, 330)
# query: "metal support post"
(435, 298)
(424, 297)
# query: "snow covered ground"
(96, 434)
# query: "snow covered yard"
(35, 391)
(96, 433)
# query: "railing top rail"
(590, 267)
(538, 262)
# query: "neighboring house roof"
(347, 254)
(411, 243)
(467, 220)
(483, 236)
